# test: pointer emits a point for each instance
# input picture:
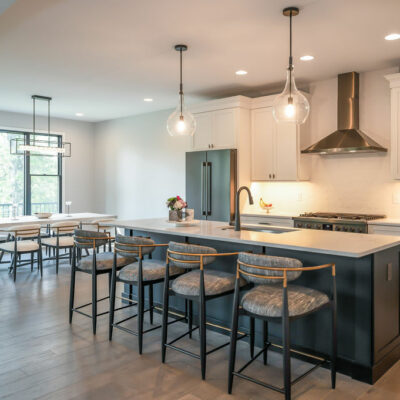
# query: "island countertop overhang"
(353, 245)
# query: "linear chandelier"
(52, 146)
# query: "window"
(32, 182)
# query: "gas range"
(344, 222)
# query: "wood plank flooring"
(43, 357)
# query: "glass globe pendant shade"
(291, 105)
(181, 122)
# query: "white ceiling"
(102, 57)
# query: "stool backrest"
(89, 239)
(25, 231)
(253, 261)
(128, 243)
(65, 227)
(177, 257)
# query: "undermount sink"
(258, 228)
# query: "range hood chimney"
(347, 138)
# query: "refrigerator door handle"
(209, 188)
(203, 177)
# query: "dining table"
(32, 219)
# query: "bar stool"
(61, 239)
(24, 239)
(96, 264)
(198, 285)
(143, 273)
(273, 300)
(99, 225)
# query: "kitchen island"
(367, 272)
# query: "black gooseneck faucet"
(237, 210)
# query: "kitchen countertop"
(327, 242)
(385, 221)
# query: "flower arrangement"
(176, 206)
(176, 203)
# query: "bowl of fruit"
(265, 206)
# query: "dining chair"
(61, 239)
(23, 239)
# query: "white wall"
(138, 166)
(344, 183)
(78, 170)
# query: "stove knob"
(318, 226)
(360, 230)
(345, 229)
(352, 229)
(299, 225)
(337, 228)
(308, 226)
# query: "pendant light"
(181, 122)
(52, 146)
(290, 105)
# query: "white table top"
(310, 240)
(31, 219)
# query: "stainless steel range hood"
(347, 138)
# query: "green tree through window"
(41, 187)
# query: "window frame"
(28, 176)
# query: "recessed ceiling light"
(148, 100)
(392, 36)
(241, 72)
(79, 114)
(306, 58)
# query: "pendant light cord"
(290, 57)
(48, 118)
(181, 85)
(34, 120)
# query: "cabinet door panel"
(202, 135)
(263, 132)
(286, 155)
(224, 135)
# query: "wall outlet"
(396, 197)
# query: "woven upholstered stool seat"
(153, 270)
(64, 241)
(22, 246)
(215, 282)
(266, 300)
(104, 261)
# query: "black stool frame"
(202, 310)
(141, 284)
(238, 310)
(94, 272)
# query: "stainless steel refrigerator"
(211, 184)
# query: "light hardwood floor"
(43, 357)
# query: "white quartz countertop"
(310, 240)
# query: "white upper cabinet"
(394, 80)
(202, 136)
(275, 148)
(216, 129)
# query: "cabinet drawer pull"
(273, 176)
(269, 176)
